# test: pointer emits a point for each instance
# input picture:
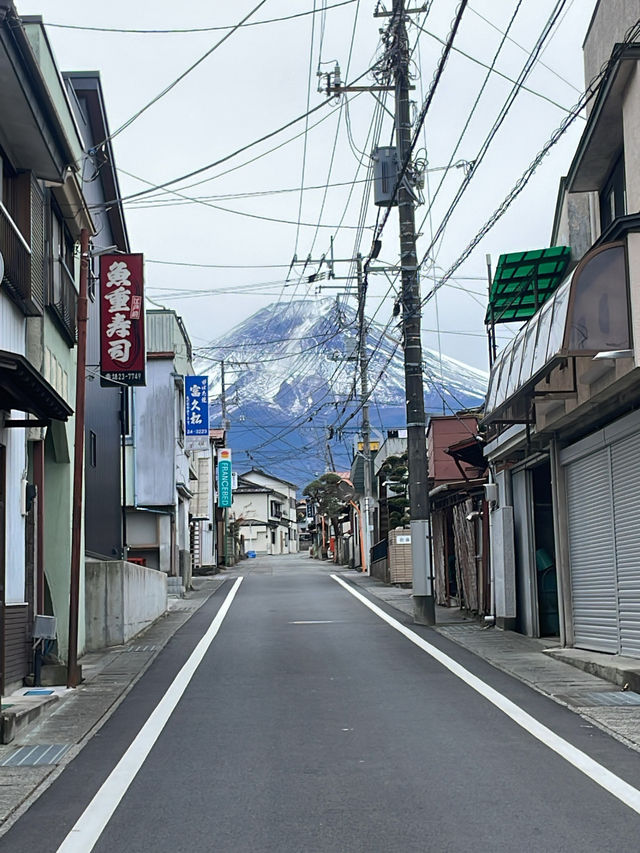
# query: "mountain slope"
(291, 375)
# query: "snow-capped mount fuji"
(291, 377)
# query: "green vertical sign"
(225, 493)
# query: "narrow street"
(312, 724)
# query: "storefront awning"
(24, 389)
(587, 315)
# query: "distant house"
(459, 517)
(264, 508)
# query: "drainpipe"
(73, 672)
(363, 563)
(560, 536)
(38, 476)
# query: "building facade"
(161, 477)
(42, 213)
(562, 407)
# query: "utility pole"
(364, 394)
(424, 603)
(225, 523)
(124, 409)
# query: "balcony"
(17, 279)
(62, 300)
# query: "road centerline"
(595, 771)
(84, 835)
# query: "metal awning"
(24, 389)
(586, 316)
(523, 282)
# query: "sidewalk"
(69, 718)
(554, 672)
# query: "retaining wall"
(121, 600)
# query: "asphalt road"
(312, 724)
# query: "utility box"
(385, 174)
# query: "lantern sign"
(225, 478)
(196, 401)
(122, 349)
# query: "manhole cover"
(36, 756)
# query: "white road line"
(88, 829)
(599, 774)
(313, 622)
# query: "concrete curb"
(14, 720)
(623, 724)
(8, 820)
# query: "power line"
(518, 45)
(181, 77)
(227, 157)
(508, 103)
(184, 30)
(495, 70)
(590, 93)
(161, 201)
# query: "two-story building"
(160, 469)
(106, 408)
(563, 406)
(42, 213)
(265, 509)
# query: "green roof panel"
(523, 282)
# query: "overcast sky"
(257, 81)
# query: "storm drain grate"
(613, 697)
(143, 649)
(36, 756)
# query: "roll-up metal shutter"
(592, 552)
(625, 470)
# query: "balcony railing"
(16, 252)
(63, 300)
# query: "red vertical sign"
(122, 349)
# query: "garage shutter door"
(625, 468)
(592, 552)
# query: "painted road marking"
(91, 823)
(313, 622)
(599, 774)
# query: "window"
(8, 187)
(613, 202)
(93, 449)
(599, 308)
(276, 509)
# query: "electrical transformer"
(385, 175)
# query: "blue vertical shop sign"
(225, 478)
(196, 398)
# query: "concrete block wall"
(400, 560)
(121, 600)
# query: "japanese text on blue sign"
(196, 393)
